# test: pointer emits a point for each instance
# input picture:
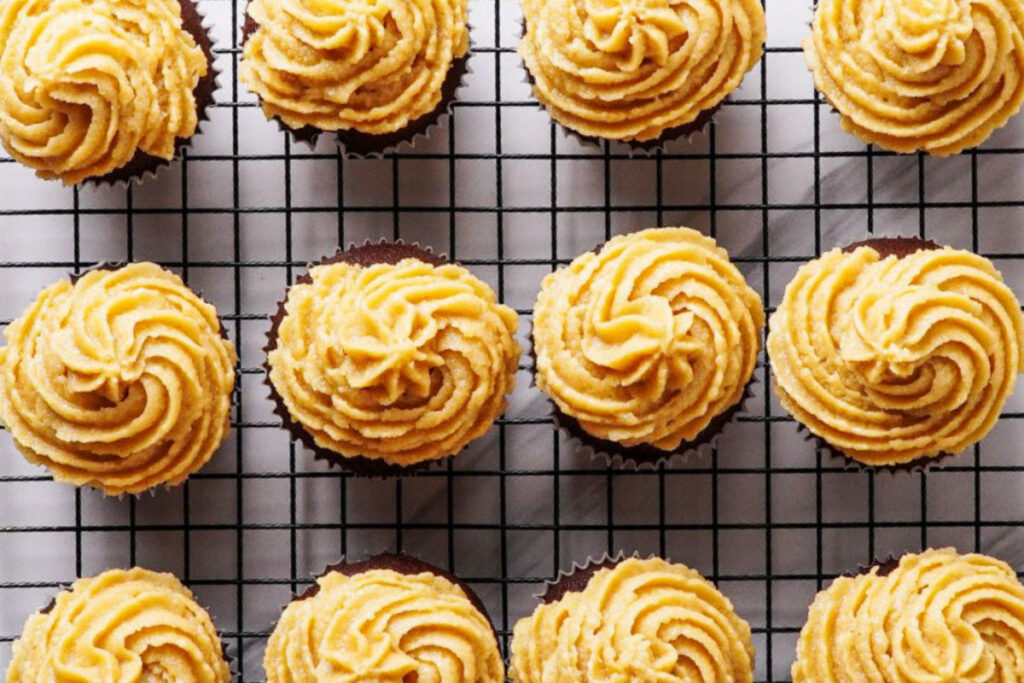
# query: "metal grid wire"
(503, 191)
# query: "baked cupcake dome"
(891, 358)
(937, 76)
(96, 87)
(648, 339)
(119, 380)
(638, 620)
(936, 616)
(123, 625)
(622, 70)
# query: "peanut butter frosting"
(648, 339)
(645, 621)
(401, 362)
(893, 359)
(120, 380)
(919, 75)
(630, 69)
(938, 617)
(360, 65)
(88, 84)
(122, 626)
(383, 626)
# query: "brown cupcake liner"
(577, 577)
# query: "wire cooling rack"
(500, 189)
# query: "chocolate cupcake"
(895, 351)
(647, 344)
(385, 357)
(390, 617)
(105, 91)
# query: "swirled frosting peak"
(365, 65)
(120, 380)
(938, 617)
(88, 84)
(648, 339)
(630, 69)
(402, 363)
(920, 75)
(645, 621)
(132, 626)
(384, 626)
(893, 359)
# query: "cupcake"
(894, 350)
(644, 621)
(374, 73)
(384, 357)
(934, 616)
(647, 342)
(390, 618)
(914, 75)
(119, 379)
(638, 72)
(101, 90)
(134, 625)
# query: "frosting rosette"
(919, 75)
(649, 338)
(336, 65)
(632, 69)
(937, 616)
(90, 84)
(894, 359)
(647, 621)
(119, 380)
(382, 625)
(123, 626)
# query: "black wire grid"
(502, 190)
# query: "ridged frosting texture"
(371, 67)
(383, 626)
(648, 339)
(630, 69)
(893, 359)
(646, 621)
(131, 626)
(88, 84)
(120, 381)
(938, 617)
(920, 75)
(402, 363)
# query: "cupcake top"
(629, 70)
(371, 67)
(402, 362)
(938, 616)
(133, 625)
(649, 338)
(119, 380)
(919, 75)
(893, 359)
(646, 621)
(90, 84)
(383, 625)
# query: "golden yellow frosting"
(920, 75)
(648, 339)
(133, 626)
(644, 621)
(938, 617)
(630, 69)
(893, 359)
(120, 381)
(89, 83)
(364, 65)
(383, 626)
(404, 363)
